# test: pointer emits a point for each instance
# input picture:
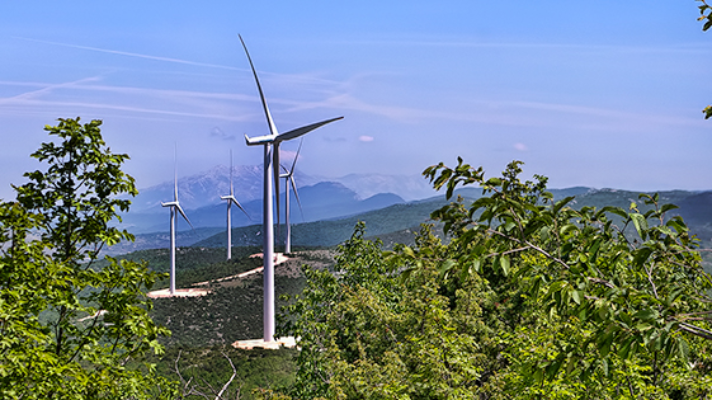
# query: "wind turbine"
(231, 199)
(271, 171)
(174, 205)
(289, 178)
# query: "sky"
(605, 94)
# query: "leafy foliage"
(530, 298)
(640, 304)
(706, 16)
(68, 328)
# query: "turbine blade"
(294, 163)
(295, 133)
(231, 173)
(180, 210)
(272, 128)
(237, 203)
(296, 194)
(175, 172)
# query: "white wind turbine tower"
(271, 171)
(289, 179)
(174, 205)
(231, 199)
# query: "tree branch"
(695, 330)
(234, 373)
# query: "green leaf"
(509, 226)
(615, 210)
(604, 344)
(446, 266)
(643, 326)
(625, 349)
(477, 265)
(408, 251)
(646, 314)
(641, 255)
(707, 110)
(668, 207)
(641, 224)
(593, 250)
(560, 204)
(493, 182)
(504, 264)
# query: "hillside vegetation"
(233, 310)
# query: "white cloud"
(520, 147)
(365, 138)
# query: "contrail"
(125, 53)
(46, 89)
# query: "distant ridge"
(697, 211)
(205, 188)
(346, 197)
(397, 219)
(325, 200)
(409, 187)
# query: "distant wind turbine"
(231, 199)
(271, 169)
(289, 179)
(174, 205)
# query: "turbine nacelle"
(232, 199)
(259, 140)
(177, 206)
(283, 137)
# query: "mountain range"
(321, 198)
(205, 188)
(325, 200)
(350, 198)
(331, 211)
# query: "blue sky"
(602, 94)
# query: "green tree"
(528, 298)
(67, 328)
(627, 286)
